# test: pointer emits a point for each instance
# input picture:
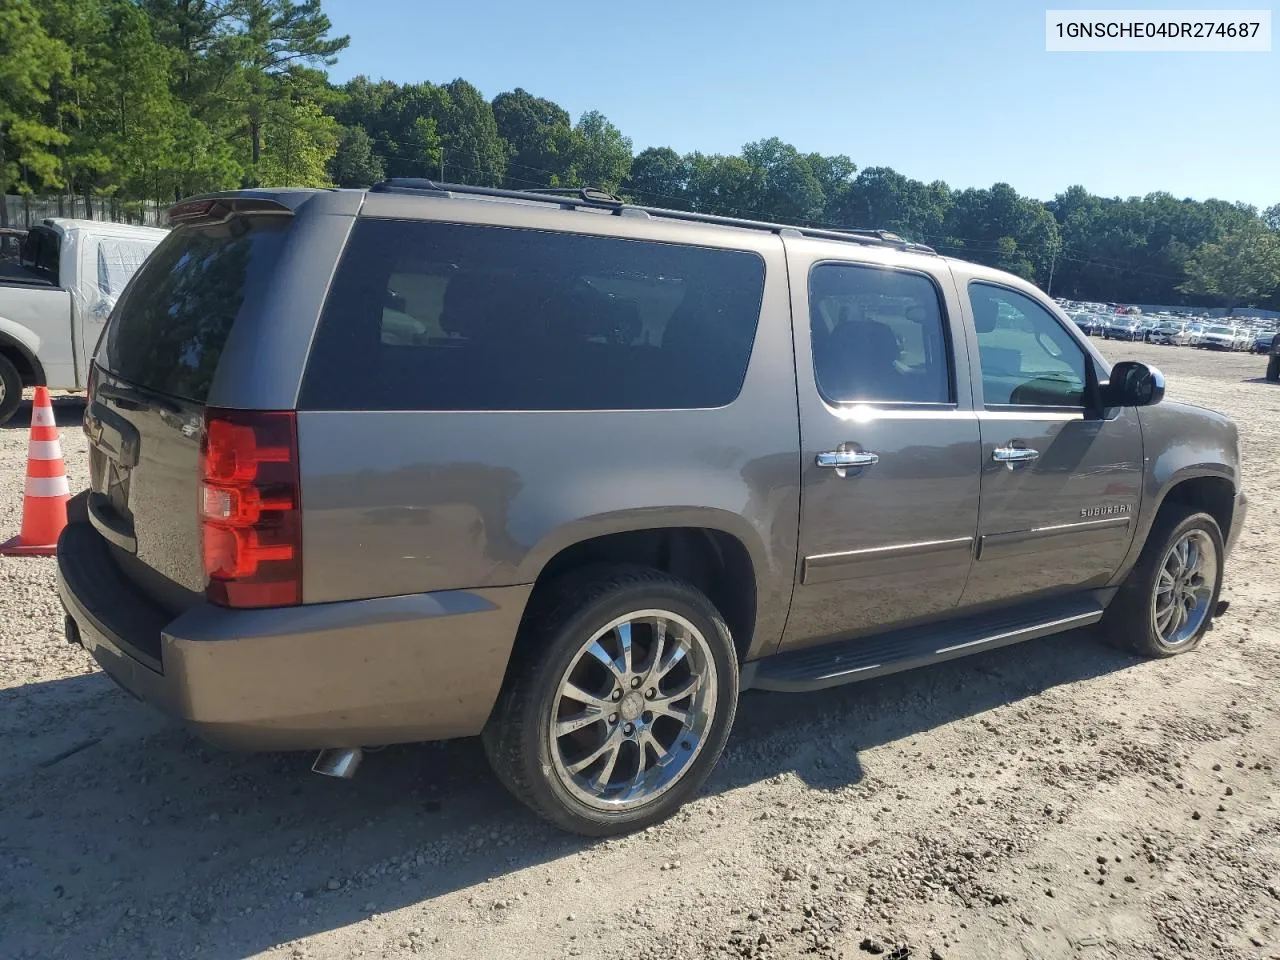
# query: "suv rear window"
(167, 331)
(439, 316)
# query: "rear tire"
(1273, 369)
(10, 389)
(618, 701)
(1167, 603)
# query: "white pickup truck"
(56, 291)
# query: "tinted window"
(40, 254)
(432, 316)
(1027, 357)
(878, 335)
(168, 329)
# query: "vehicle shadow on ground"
(150, 843)
(1270, 383)
(67, 412)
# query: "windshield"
(1221, 330)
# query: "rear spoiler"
(222, 209)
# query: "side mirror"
(1132, 384)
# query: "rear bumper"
(354, 673)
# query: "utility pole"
(1053, 261)
(442, 164)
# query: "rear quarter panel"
(406, 502)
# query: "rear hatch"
(153, 372)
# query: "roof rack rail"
(571, 198)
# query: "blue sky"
(961, 92)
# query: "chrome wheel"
(1184, 588)
(633, 710)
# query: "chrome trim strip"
(1082, 618)
(851, 672)
(882, 561)
(897, 549)
(1015, 537)
(871, 411)
(1032, 414)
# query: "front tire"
(10, 390)
(618, 701)
(1273, 369)
(1166, 605)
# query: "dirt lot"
(1047, 800)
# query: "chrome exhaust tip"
(340, 762)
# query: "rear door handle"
(1012, 456)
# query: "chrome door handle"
(1012, 456)
(842, 460)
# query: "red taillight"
(250, 518)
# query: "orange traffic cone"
(44, 506)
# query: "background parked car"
(1220, 337)
(1262, 340)
(1169, 332)
(54, 301)
(1124, 328)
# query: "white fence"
(24, 211)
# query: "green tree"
(355, 164)
(1239, 268)
(1003, 229)
(883, 199)
(273, 42)
(29, 61)
(1271, 217)
(298, 141)
(659, 177)
(134, 112)
(722, 185)
(783, 183)
(469, 136)
(409, 129)
(538, 134)
(601, 155)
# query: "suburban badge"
(1109, 510)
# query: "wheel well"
(715, 562)
(22, 362)
(1214, 495)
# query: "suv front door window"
(1027, 357)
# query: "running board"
(846, 661)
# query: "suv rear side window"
(167, 331)
(439, 316)
(877, 336)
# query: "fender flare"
(1192, 471)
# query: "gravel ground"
(1051, 799)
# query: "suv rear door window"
(167, 331)
(438, 316)
(877, 336)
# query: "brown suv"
(431, 461)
